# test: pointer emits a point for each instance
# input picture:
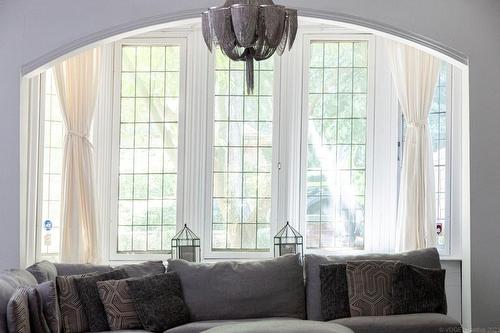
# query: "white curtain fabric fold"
(77, 81)
(415, 75)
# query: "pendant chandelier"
(249, 30)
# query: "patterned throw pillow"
(418, 290)
(370, 287)
(118, 305)
(159, 301)
(50, 305)
(18, 313)
(74, 319)
(334, 292)
(89, 296)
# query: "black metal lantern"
(186, 245)
(288, 241)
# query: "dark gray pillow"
(143, 269)
(239, 290)
(158, 301)
(43, 271)
(334, 292)
(50, 305)
(37, 318)
(89, 296)
(418, 290)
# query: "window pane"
(336, 166)
(148, 148)
(53, 141)
(242, 157)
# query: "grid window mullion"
(335, 180)
(244, 147)
(150, 217)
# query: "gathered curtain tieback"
(82, 136)
(417, 124)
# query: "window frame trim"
(208, 252)
(166, 39)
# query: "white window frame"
(194, 186)
(182, 41)
(209, 253)
(308, 39)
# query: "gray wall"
(30, 29)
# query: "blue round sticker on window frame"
(47, 225)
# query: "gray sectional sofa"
(261, 296)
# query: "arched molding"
(157, 22)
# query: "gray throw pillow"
(418, 290)
(89, 296)
(334, 292)
(73, 316)
(143, 269)
(370, 287)
(9, 282)
(119, 305)
(18, 313)
(51, 309)
(158, 301)
(37, 317)
(43, 271)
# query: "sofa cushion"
(158, 301)
(43, 271)
(9, 282)
(418, 290)
(79, 269)
(425, 258)
(370, 287)
(118, 305)
(281, 326)
(410, 323)
(234, 290)
(89, 296)
(50, 305)
(201, 326)
(143, 269)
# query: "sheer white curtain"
(415, 75)
(77, 81)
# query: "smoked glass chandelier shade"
(249, 30)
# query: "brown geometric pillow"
(119, 305)
(18, 314)
(370, 287)
(74, 319)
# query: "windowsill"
(450, 258)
